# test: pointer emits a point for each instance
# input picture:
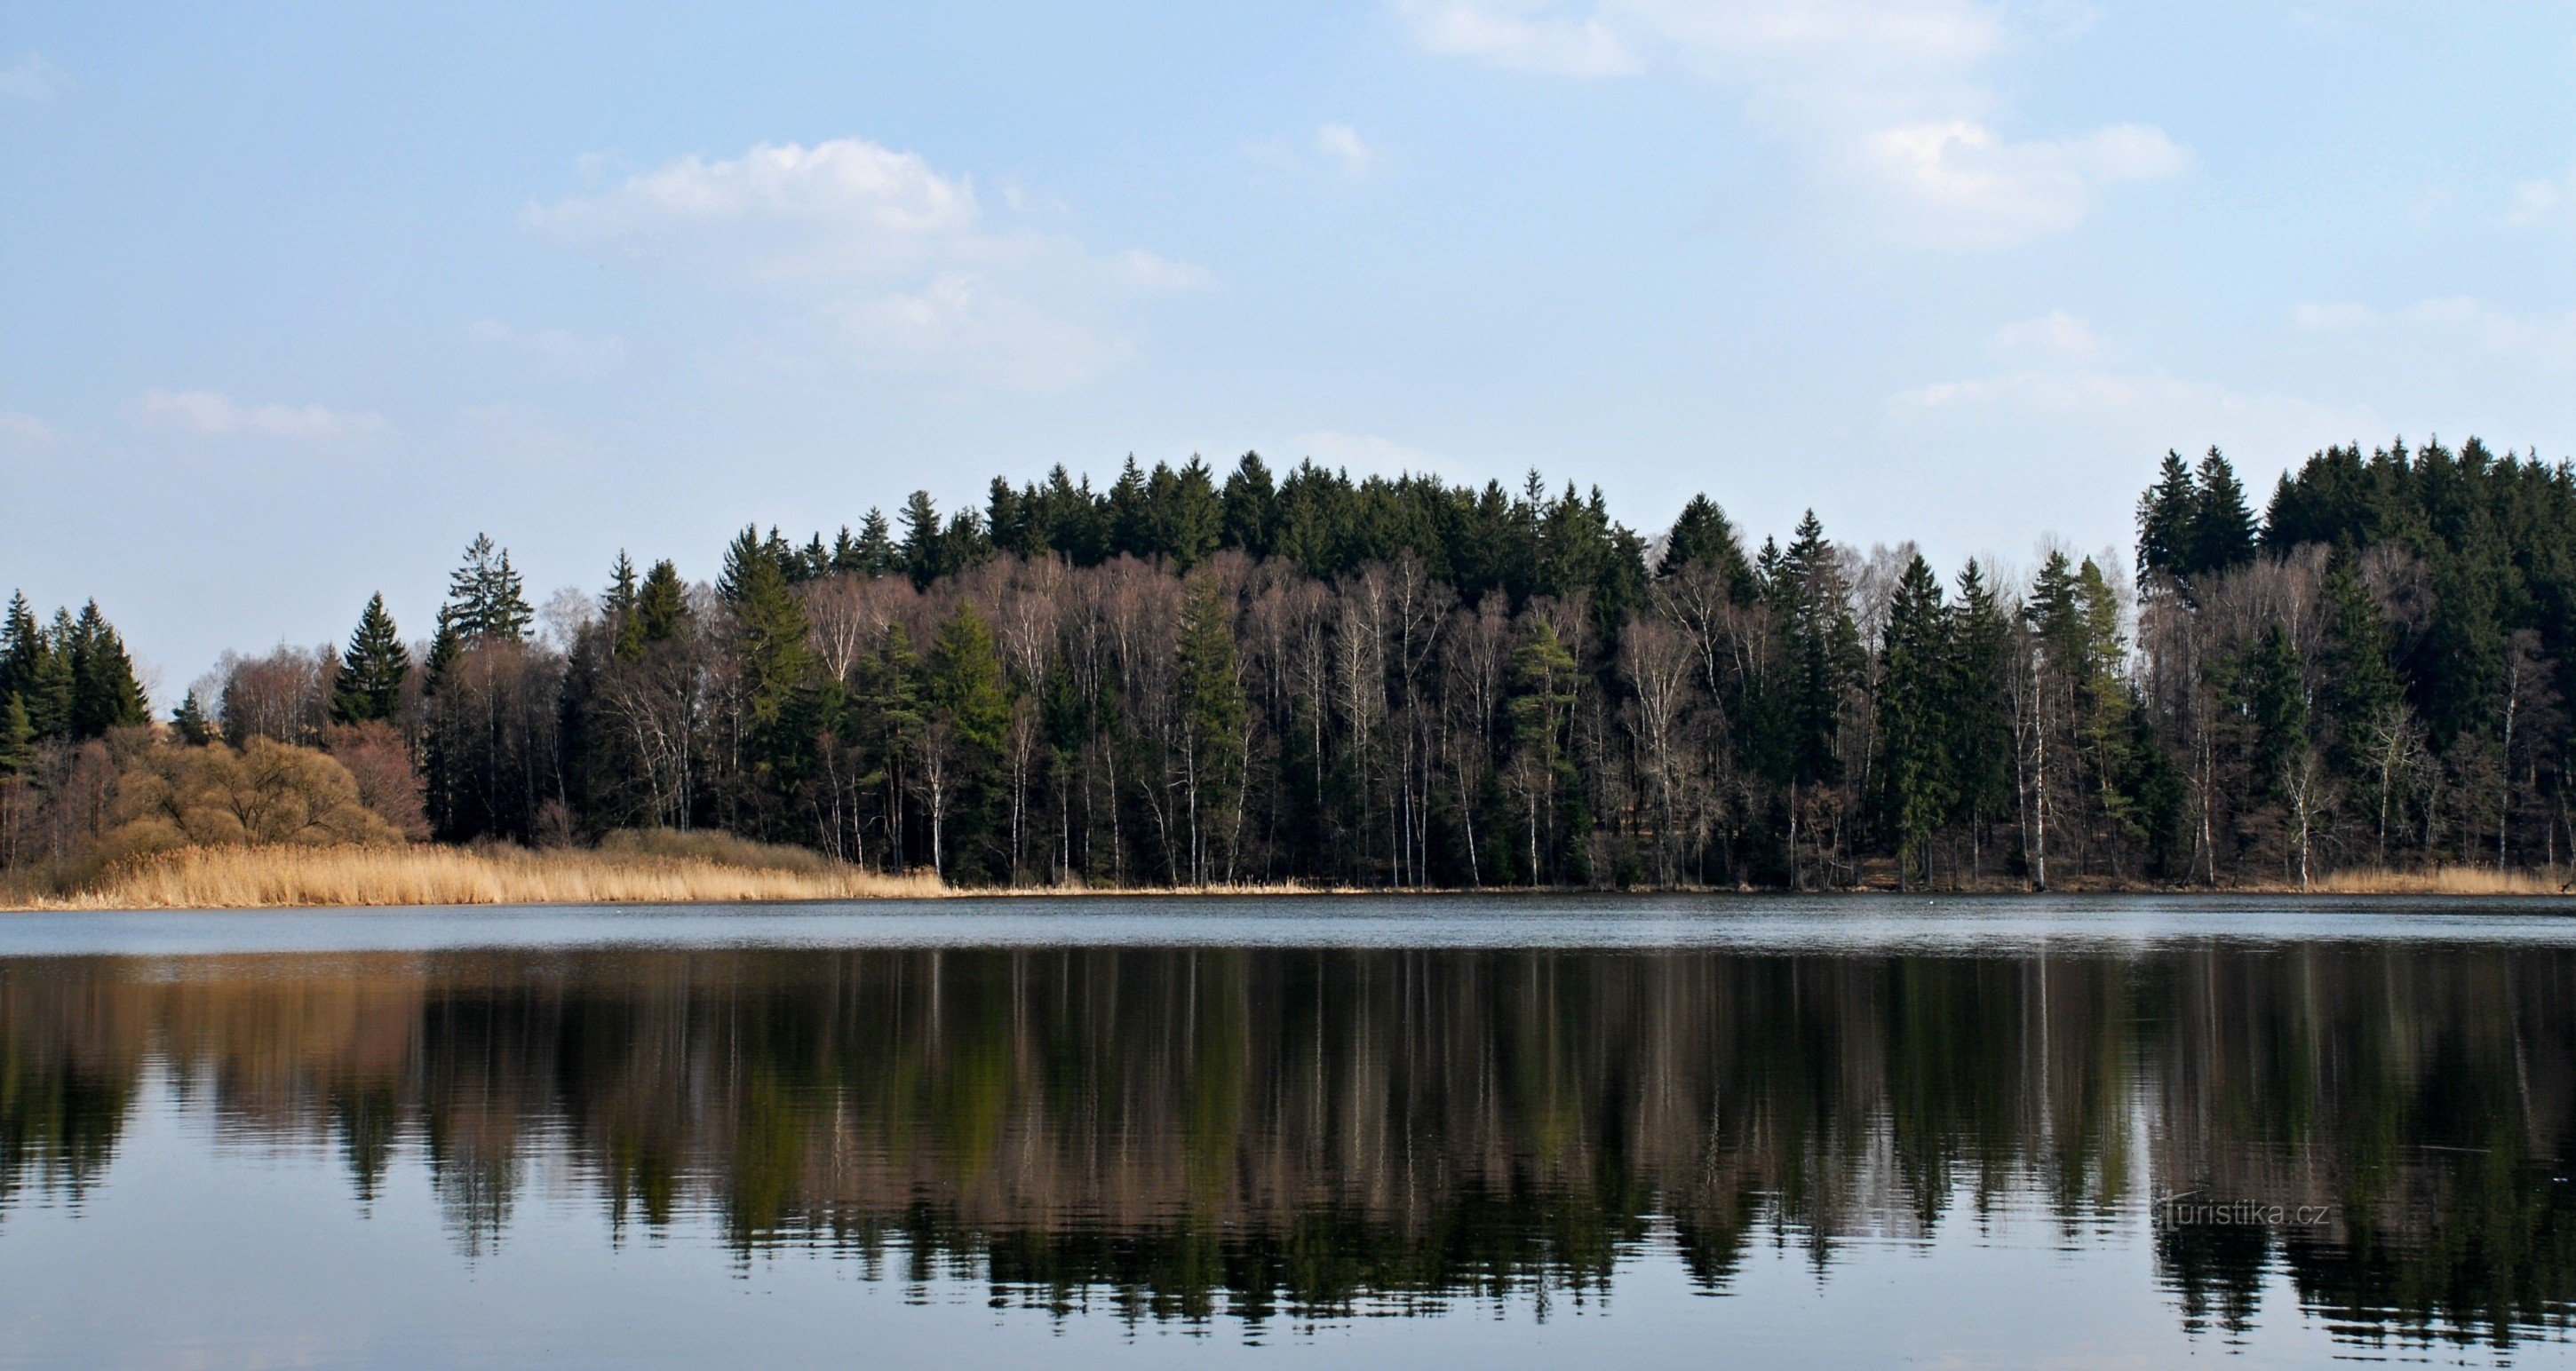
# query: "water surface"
(1446, 1131)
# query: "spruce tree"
(619, 602)
(1213, 710)
(1544, 694)
(1980, 705)
(922, 543)
(191, 722)
(876, 554)
(1251, 507)
(104, 692)
(775, 663)
(1914, 718)
(17, 737)
(372, 668)
(2166, 516)
(2222, 526)
(661, 607)
(485, 600)
(1704, 535)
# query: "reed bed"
(2442, 880)
(277, 877)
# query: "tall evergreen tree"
(372, 668)
(1703, 534)
(972, 711)
(923, 545)
(191, 722)
(105, 694)
(1915, 722)
(2222, 526)
(485, 600)
(1213, 710)
(2167, 522)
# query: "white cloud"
(2064, 395)
(27, 430)
(2549, 339)
(1521, 36)
(559, 351)
(2056, 335)
(896, 260)
(1962, 185)
(32, 78)
(1888, 94)
(1342, 145)
(2547, 200)
(212, 414)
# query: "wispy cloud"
(1890, 96)
(897, 261)
(1341, 145)
(25, 430)
(2488, 328)
(32, 78)
(212, 414)
(2544, 200)
(561, 352)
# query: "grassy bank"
(644, 869)
(2442, 880)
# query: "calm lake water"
(1415, 1132)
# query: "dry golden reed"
(276, 877)
(2441, 880)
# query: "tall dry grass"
(647, 870)
(2441, 880)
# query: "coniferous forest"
(1194, 679)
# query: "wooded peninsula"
(1190, 681)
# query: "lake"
(1406, 1131)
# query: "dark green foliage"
(1704, 535)
(191, 722)
(105, 694)
(485, 600)
(375, 665)
(1917, 710)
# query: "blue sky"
(296, 299)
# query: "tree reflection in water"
(1174, 1134)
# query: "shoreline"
(427, 875)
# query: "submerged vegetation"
(1188, 681)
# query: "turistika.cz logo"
(2190, 1210)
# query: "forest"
(1192, 680)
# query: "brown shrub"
(388, 783)
(267, 794)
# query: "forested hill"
(1183, 679)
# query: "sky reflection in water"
(1871, 1141)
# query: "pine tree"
(372, 668)
(1914, 716)
(105, 694)
(191, 722)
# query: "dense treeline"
(1182, 680)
